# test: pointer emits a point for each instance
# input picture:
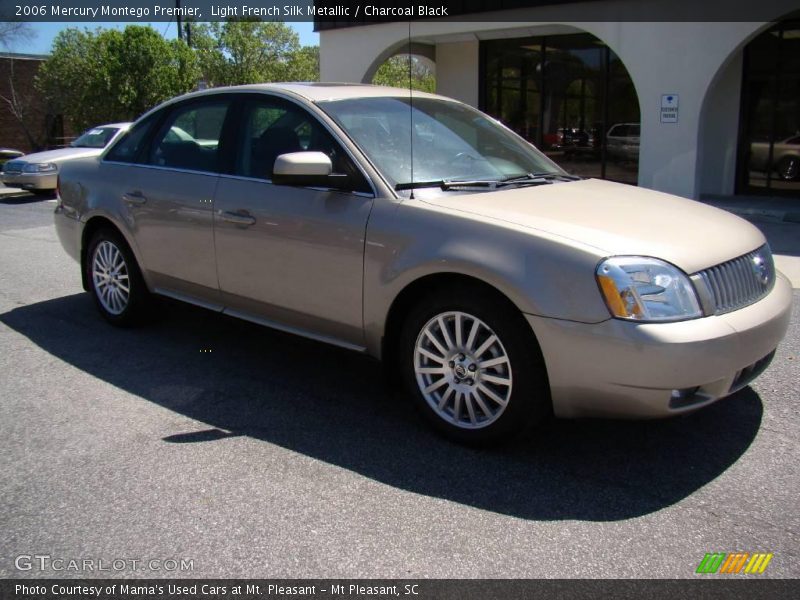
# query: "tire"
(110, 265)
(466, 400)
(789, 168)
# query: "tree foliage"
(109, 75)
(239, 52)
(394, 72)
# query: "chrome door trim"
(299, 187)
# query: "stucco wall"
(687, 59)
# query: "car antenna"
(410, 112)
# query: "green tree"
(110, 75)
(239, 52)
(304, 64)
(394, 72)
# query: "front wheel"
(473, 366)
(115, 281)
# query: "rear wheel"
(115, 281)
(472, 365)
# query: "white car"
(622, 141)
(38, 172)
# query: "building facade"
(26, 121)
(694, 108)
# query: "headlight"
(40, 167)
(646, 289)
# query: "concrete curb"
(13, 194)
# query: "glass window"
(127, 147)
(273, 127)
(190, 138)
(450, 141)
(769, 153)
(565, 94)
(97, 137)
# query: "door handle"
(134, 197)
(238, 218)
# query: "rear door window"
(191, 137)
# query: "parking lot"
(252, 453)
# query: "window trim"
(245, 96)
(159, 113)
(157, 117)
(183, 106)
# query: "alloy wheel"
(110, 277)
(462, 370)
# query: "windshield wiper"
(447, 184)
(526, 179)
(557, 175)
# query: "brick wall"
(44, 129)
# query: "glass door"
(769, 152)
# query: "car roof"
(116, 125)
(318, 92)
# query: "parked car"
(38, 172)
(497, 288)
(7, 154)
(565, 138)
(622, 141)
(785, 157)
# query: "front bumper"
(621, 369)
(31, 181)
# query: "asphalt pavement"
(252, 453)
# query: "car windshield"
(451, 141)
(98, 137)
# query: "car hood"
(60, 155)
(618, 219)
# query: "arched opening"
(571, 96)
(395, 72)
(769, 134)
(424, 53)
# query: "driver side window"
(273, 127)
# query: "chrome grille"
(735, 284)
(13, 166)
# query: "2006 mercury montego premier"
(497, 286)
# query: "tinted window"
(127, 147)
(273, 127)
(190, 138)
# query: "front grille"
(13, 166)
(735, 284)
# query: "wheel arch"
(416, 290)
(93, 224)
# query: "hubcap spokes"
(462, 370)
(110, 277)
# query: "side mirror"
(306, 169)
